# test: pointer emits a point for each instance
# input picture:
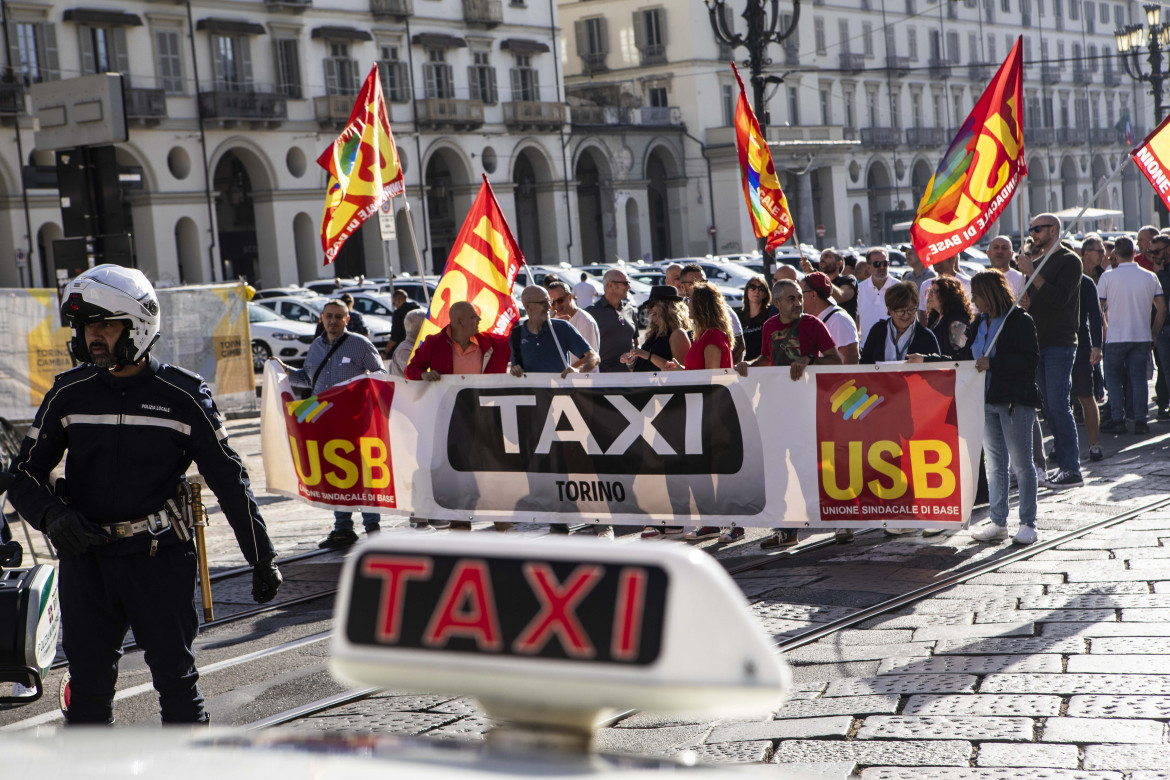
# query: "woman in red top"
(711, 347)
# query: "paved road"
(1051, 664)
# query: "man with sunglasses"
(565, 308)
(844, 283)
(616, 328)
(692, 273)
(1055, 306)
(871, 294)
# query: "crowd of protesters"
(1047, 326)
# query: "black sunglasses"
(879, 264)
(1038, 228)
(759, 287)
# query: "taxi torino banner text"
(840, 447)
(204, 329)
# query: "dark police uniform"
(129, 441)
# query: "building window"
(481, 76)
(341, 72)
(592, 42)
(650, 35)
(818, 34)
(1119, 16)
(1005, 6)
(973, 47)
(231, 61)
(1093, 63)
(911, 8)
(169, 61)
(850, 120)
(895, 109)
(916, 109)
(1103, 14)
(912, 43)
(953, 52)
(991, 55)
(525, 79)
(871, 110)
(394, 74)
(826, 110)
(103, 50)
(1074, 9)
(843, 33)
(867, 38)
(656, 97)
(288, 67)
(438, 79)
(793, 107)
(936, 101)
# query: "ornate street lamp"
(1152, 38)
(763, 29)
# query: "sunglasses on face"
(627, 284)
(904, 312)
(879, 264)
(1038, 228)
(559, 301)
(757, 287)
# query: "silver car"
(275, 335)
(309, 310)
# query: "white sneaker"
(1026, 535)
(989, 533)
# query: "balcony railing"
(593, 61)
(1069, 136)
(654, 54)
(1105, 136)
(1112, 78)
(852, 63)
(243, 106)
(979, 73)
(1039, 136)
(1050, 74)
(534, 113)
(397, 9)
(647, 116)
(880, 137)
(335, 109)
(450, 112)
(486, 12)
(295, 6)
(11, 99)
(849, 133)
(145, 103)
(1081, 74)
(940, 69)
(926, 137)
(898, 66)
(656, 116)
(597, 115)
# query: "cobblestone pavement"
(1050, 667)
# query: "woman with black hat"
(666, 337)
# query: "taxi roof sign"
(553, 631)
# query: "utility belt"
(179, 514)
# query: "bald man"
(999, 252)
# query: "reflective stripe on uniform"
(221, 433)
(125, 419)
(33, 432)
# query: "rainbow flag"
(481, 268)
(767, 206)
(979, 174)
(363, 168)
(1151, 158)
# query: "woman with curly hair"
(948, 313)
(711, 347)
(666, 338)
(757, 308)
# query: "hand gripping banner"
(840, 447)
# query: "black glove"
(70, 533)
(266, 580)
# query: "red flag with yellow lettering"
(363, 168)
(481, 268)
(980, 172)
(1152, 158)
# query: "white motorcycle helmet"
(112, 292)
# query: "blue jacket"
(129, 440)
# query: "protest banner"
(844, 446)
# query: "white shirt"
(963, 280)
(1129, 291)
(840, 326)
(871, 303)
(586, 294)
(587, 326)
(1015, 281)
(736, 325)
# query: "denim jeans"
(1054, 377)
(343, 521)
(1127, 360)
(1007, 438)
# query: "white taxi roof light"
(553, 631)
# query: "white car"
(378, 304)
(273, 335)
(308, 310)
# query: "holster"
(183, 510)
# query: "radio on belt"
(553, 633)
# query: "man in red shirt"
(460, 349)
(794, 339)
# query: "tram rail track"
(809, 636)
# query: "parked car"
(281, 292)
(308, 310)
(413, 287)
(378, 304)
(328, 287)
(272, 334)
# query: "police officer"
(131, 426)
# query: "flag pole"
(1036, 272)
(417, 257)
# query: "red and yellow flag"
(1151, 158)
(767, 206)
(980, 172)
(363, 168)
(481, 268)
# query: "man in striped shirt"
(335, 356)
